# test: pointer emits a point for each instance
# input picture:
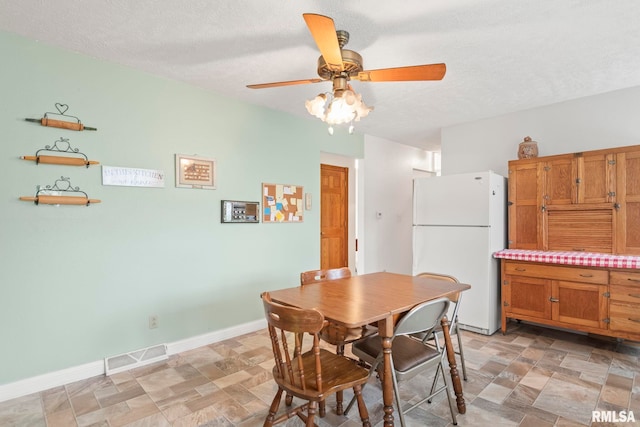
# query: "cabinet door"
(560, 181)
(580, 178)
(628, 198)
(582, 304)
(595, 178)
(525, 202)
(527, 296)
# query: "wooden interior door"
(333, 216)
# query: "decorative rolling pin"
(58, 160)
(59, 200)
(45, 121)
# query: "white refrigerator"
(459, 221)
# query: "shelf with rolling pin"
(60, 153)
(61, 146)
(63, 185)
(61, 120)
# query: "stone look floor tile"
(567, 399)
(495, 393)
(532, 376)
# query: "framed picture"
(195, 172)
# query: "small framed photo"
(195, 172)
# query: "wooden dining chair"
(332, 333)
(310, 374)
(411, 356)
(454, 329)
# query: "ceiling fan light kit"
(339, 65)
(338, 108)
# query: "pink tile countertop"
(588, 259)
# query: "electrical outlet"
(153, 321)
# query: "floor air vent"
(135, 359)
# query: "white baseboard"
(92, 369)
(216, 336)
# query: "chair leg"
(372, 369)
(339, 408)
(362, 408)
(396, 391)
(289, 398)
(448, 391)
(433, 385)
(311, 413)
(323, 409)
(268, 422)
(348, 408)
(461, 353)
(339, 394)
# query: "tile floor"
(532, 376)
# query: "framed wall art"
(195, 172)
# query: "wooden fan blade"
(403, 74)
(323, 31)
(287, 83)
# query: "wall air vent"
(135, 359)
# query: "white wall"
(603, 121)
(388, 172)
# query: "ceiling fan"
(341, 65)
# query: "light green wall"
(78, 283)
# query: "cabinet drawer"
(574, 274)
(627, 278)
(630, 294)
(624, 317)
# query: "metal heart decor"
(62, 108)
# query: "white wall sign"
(132, 177)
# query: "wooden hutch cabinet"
(579, 203)
(586, 202)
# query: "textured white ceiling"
(502, 55)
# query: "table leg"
(385, 329)
(453, 367)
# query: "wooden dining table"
(377, 298)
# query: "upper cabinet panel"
(595, 178)
(525, 204)
(560, 177)
(628, 202)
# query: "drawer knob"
(586, 275)
(520, 269)
(634, 295)
(633, 280)
(634, 320)
(552, 299)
